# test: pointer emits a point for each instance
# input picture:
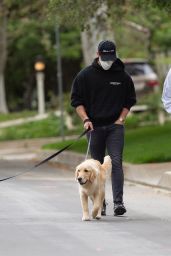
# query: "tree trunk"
(98, 29)
(3, 53)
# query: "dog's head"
(86, 172)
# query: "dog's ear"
(76, 174)
(92, 176)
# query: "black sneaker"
(119, 209)
(103, 212)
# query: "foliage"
(156, 21)
(20, 8)
(70, 43)
(30, 34)
(28, 39)
(162, 37)
(161, 4)
(153, 100)
(25, 43)
(145, 25)
(153, 15)
(73, 12)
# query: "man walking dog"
(103, 94)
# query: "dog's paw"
(98, 217)
(94, 213)
(85, 218)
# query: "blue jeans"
(110, 137)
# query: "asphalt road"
(40, 215)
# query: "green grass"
(16, 115)
(48, 127)
(148, 144)
(80, 146)
(142, 145)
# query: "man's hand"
(84, 117)
(119, 122)
(88, 125)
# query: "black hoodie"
(103, 93)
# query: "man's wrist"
(86, 120)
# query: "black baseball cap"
(107, 50)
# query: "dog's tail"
(107, 165)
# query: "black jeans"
(110, 137)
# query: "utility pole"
(59, 79)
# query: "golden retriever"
(91, 176)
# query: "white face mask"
(105, 64)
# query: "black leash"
(46, 159)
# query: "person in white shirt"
(166, 95)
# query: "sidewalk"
(155, 175)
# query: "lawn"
(142, 145)
(49, 127)
(148, 144)
(16, 115)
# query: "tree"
(11, 10)
(27, 39)
(151, 15)
(155, 20)
(29, 33)
(161, 4)
(89, 16)
(3, 56)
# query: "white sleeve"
(166, 95)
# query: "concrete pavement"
(155, 175)
(40, 215)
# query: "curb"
(153, 175)
(144, 174)
(165, 181)
(67, 158)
